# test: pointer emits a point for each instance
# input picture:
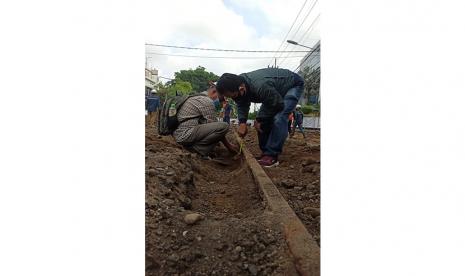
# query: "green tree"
(182, 87)
(252, 115)
(198, 78)
(233, 108)
(162, 91)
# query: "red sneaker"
(268, 161)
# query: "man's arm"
(243, 108)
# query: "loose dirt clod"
(288, 183)
(192, 218)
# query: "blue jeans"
(300, 128)
(274, 130)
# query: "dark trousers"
(274, 130)
(301, 129)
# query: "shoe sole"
(273, 165)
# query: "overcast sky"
(228, 24)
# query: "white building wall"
(312, 59)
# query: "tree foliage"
(170, 88)
(233, 108)
(252, 115)
(185, 82)
(311, 109)
(162, 91)
(198, 78)
(182, 87)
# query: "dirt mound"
(204, 218)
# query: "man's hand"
(242, 131)
(233, 148)
(257, 125)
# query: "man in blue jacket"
(152, 102)
(278, 90)
(226, 112)
(298, 120)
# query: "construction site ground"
(298, 176)
(205, 218)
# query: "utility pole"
(275, 63)
(146, 62)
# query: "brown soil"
(297, 176)
(235, 235)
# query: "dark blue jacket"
(152, 103)
(267, 86)
(298, 117)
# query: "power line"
(295, 20)
(230, 57)
(310, 27)
(300, 26)
(222, 50)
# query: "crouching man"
(278, 91)
(198, 128)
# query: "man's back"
(196, 108)
(153, 102)
(280, 79)
(299, 117)
(267, 86)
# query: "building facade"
(312, 59)
(151, 80)
(311, 62)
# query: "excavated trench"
(205, 218)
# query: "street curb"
(304, 249)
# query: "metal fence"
(311, 122)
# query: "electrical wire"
(302, 38)
(230, 57)
(222, 50)
(298, 29)
(310, 27)
(295, 20)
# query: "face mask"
(216, 102)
